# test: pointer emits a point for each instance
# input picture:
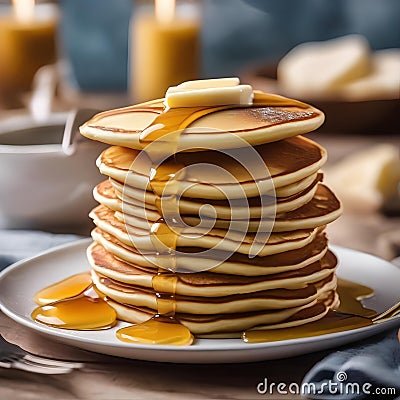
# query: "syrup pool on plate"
(89, 311)
(75, 304)
(351, 314)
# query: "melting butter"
(209, 92)
(206, 83)
(241, 95)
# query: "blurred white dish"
(44, 183)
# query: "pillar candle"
(163, 53)
(25, 46)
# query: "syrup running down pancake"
(211, 219)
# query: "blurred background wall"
(94, 34)
(237, 32)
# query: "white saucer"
(20, 282)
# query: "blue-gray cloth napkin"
(370, 370)
(375, 362)
(16, 245)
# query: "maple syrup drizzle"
(175, 120)
(85, 311)
(163, 328)
(164, 183)
(332, 322)
(350, 295)
(88, 309)
(161, 141)
(351, 314)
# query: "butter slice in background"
(383, 82)
(323, 67)
(365, 181)
(344, 68)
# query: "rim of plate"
(235, 344)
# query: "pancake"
(209, 284)
(280, 118)
(234, 264)
(228, 210)
(217, 239)
(298, 186)
(149, 198)
(273, 299)
(323, 208)
(224, 325)
(232, 325)
(252, 207)
(219, 175)
(280, 295)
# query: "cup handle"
(71, 136)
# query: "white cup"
(43, 183)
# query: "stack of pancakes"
(229, 276)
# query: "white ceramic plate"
(19, 283)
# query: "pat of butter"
(209, 92)
(206, 83)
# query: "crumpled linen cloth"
(371, 370)
(375, 363)
(18, 244)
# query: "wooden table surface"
(111, 378)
